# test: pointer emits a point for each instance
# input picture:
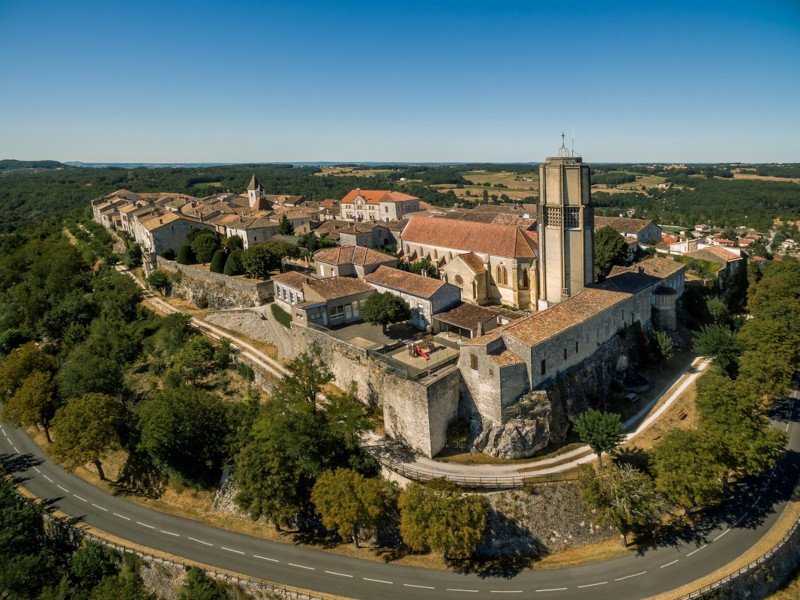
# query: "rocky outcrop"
(526, 431)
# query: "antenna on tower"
(562, 139)
(573, 141)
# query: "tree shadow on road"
(16, 464)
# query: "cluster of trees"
(612, 177)
(610, 249)
(754, 362)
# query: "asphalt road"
(726, 535)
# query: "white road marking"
(261, 557)
(629, 576)
(422, 587)
(200, 541)
(48, 479)
(169, 533)
(122, 516)
(376, 580)
(232, 550)
(551, 590)
(62, 488)
(505, 592)
(593, 584)
(302, 567)
(720, 535)
(15, 448)
(79, 498)
(669, 563)
(4, 433)
(100, 507)
(460, 590)
(696, 551)
(338, 574)
(145, 525)
(36, 469)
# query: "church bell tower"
(566, 227)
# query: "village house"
(470, 321)
(368, 234)
(332, 301)
(377, 205)
(643, 231)
(350, 261)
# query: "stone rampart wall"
(221, 291)
(416, 412)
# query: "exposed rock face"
(526, 431)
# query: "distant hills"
(9, 164)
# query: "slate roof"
(357, 255)
(403, 281)
(498, 240)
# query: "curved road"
(733, 529)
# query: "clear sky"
(495, 81)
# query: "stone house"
(730, 264)
(369, 235)
(377, 205)
(503, 265)
(288, 289)
(331, 301)
(426, 296)
(644, 231)
(469, 321)
(350, 261)
(158, 231)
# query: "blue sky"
(407, 81)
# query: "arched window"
(525, 279)
(459, 281)
(501, 274)
(436, 255)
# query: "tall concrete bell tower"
(566, 227)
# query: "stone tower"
(566, 228)
(255, 191)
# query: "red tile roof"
(621, 224)
(357, 255)
(377, 196)
(293, 279)
(331, 288)
(403, 281)
(714, 251)
(499, 240)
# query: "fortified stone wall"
(416, 412)
(221, 291)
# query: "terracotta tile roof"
(548, 323)
(714, 252)
(660, 267)
(470, 316)
(331, 288)
(669, 239)
(293, 279)
(630, 281)
(621, 224)
(366, 227)
(155, 221)
(473, 261)
(357, 255)
(377, 196)
(499, 240)
(403, 281)
(328, 203)
(506, 358)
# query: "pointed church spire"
(254, 184)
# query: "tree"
(602, 431)
(85, 430)
(285, 226)
(258, 261)
(233, 264)
(184, 430)
(424, 265)
(19, 365)
(197, 358)
(91, 563)
(383, 308)
(717, 310)
(348, 502)
(688, 467)
(186, 255)
(86, 370)
(33, 404)
(199, 586)
(718, 342)
(665, 346)
(610, 249)
(308, 374)
(204, 245)
(439, 516)
(158, 280)
(622, 497)
(218, 261)
(232, 243)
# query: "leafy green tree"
(85, 430)
(258, 261)
(204, 245)
(222, 353)
(218, 261)
(233, 243)
(610, 249)
(158, 280)
(186, 255)
(285, 226)
(20, 364)
(602, 431)
(233, 264)
(664, 344)
(439, 516)
(419, 267)
(622, 497)
(689, 468)
(33, 404)
(91, 563)
(348, 502)
(383, 308)
(312, 242)
(717, 310)
(168, 253)
(133, 256)
(117, 296)
(86, 371)
(199, 586)
(197, 358)
(184, 431)
(719, 343)
(308, 374)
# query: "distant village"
(516, 308)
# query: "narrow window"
(565, 354)
(576, 347)
(544, 367)
(473, 362)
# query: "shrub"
(458, 434)
(186, 255)
(168, 253)
(218, 261)
(281, 315)
(246, 371)
(233, 265)
(202, 302)
(158, 280)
